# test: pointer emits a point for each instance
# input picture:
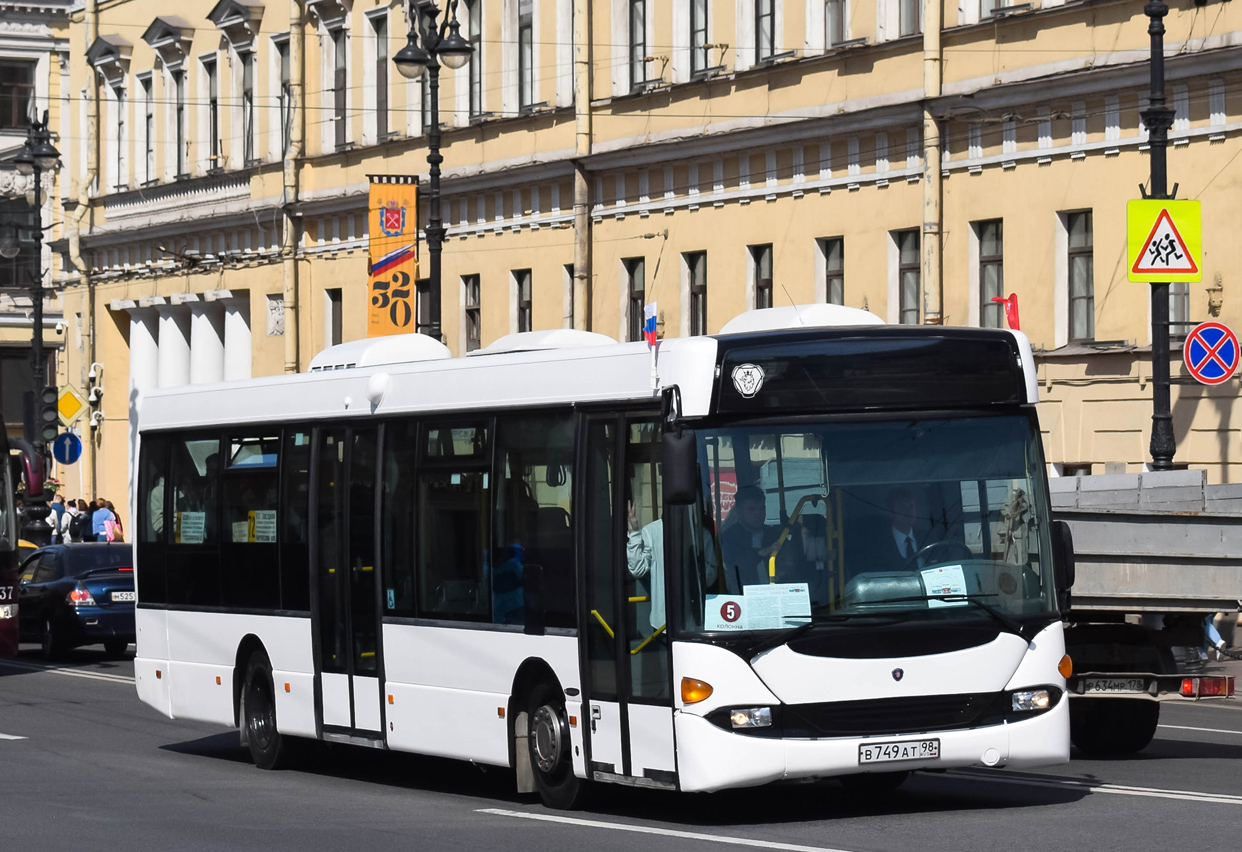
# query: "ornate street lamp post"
(428, 46)
(37, 156)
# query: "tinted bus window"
(151, 527)
(293, 519)
(193, 558)
(398, 518)
(249, 565)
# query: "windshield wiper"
(1011, 624)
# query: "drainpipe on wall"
(582, 192)
(933, 214)
(91, 22)
(288, 242)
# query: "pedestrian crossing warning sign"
(1164, 241)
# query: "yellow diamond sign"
(71, 405)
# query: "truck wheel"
(1109, 726)
(550, 749)
(268, 747)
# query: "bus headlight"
(1031, 699)
(751, 717)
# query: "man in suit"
(747, 541)
(900, 543)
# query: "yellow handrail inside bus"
(604, 624)
(784, 536)
(640, 599)
(644, 643)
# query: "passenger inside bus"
(746, 540)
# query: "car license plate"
(890, 752)
(1113, 684)
(119, 597)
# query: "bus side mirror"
(681, 468)
(1063, 559)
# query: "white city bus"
(810, 546)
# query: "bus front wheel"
(551, 749)
(268, 747)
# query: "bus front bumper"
(710, 758)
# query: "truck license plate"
(891, 752)
(1113, 684)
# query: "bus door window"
(330, 520)
(398, 514)
(534, 456)
(644, 581)
(194, 477)
(151, 502)
(600, 593)
(453, 523)
(362, 587)
(294, 518)
(249, 570)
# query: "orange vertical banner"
(393, 267)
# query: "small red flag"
(1011, 309)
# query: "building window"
(122, 143)
(833, 250)
(910, 17)
(638, 44)
(19, 272)
(474, 314)
(761, 270)
(636, 286)
(179, 85)
(1179, 310)
(247, 97)
(991, 272)
(282, 51)
(380, 24)
(521, 280)
(696, 267)
(148, 129)
(765, 29)
(340, 62)
(213, 113)
(1081, 276)
(834, 22)
(332, 317)
(474, 11)
(16, 94)
(908, 276)
(698, 37)
(526, 55)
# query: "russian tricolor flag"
(391, 260)
(649, 323)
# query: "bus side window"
(194, 563)
(250, 569)
(152, 503)
(453, 524)
(533, 525)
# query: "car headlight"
(1032, 699)
(751, 717)
(7, 611)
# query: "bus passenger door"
(347, 643)
(629, 708)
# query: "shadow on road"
(784, 803)
(91, 658)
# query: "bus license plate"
(118, 597)
(1113, 684)
(890, 752)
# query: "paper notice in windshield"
(191, 527)
(241, 532)
(768, 607)
(944, 580)
(264, 522)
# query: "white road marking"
(665, 832)
(10, 737)
(1208, 730)
(1096, 787)
(40, 667)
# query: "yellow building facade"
(709, 155)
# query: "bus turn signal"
(693, 691)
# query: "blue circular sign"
(1211, 353)
(67, 448)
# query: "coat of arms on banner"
(392, 219)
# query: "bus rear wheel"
(551, 749)
(268, 747)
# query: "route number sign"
(1164, 241)
(1211, 353)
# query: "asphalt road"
(84, 765)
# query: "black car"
(78, 594)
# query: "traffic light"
(49, 414)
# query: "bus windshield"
(938, 519)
